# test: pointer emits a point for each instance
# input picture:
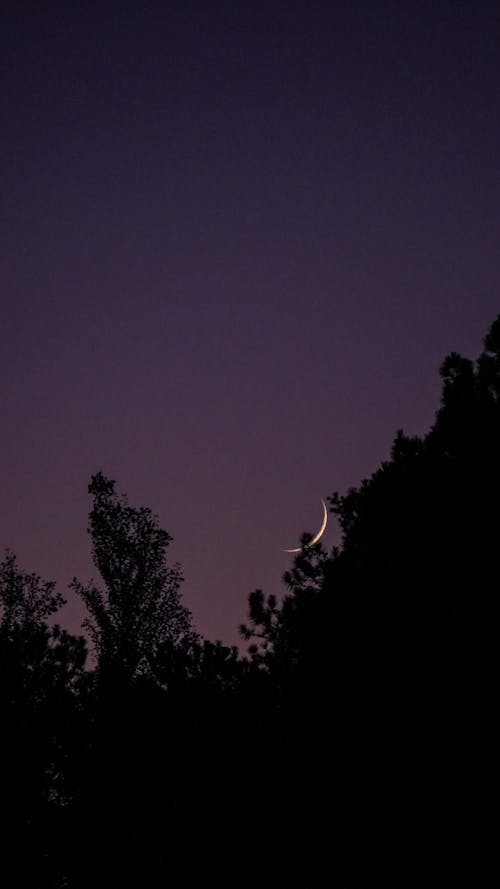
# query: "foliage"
(370, 686)
(139, 610)
(25, 600)
(42, 687)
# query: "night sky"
(237, 241)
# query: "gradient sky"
(237, 241)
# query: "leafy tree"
(139, 611)
(387, 647)
(277, 630)
(41, 678)
(427, 518)
(26, 600)
(38, 659)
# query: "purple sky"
(237, 241)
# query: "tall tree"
(139, 611)
(395, 638)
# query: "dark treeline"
(351, 745)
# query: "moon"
(318, 535)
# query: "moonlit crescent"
(318, 535)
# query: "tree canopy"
(349, 739)
(139, 611)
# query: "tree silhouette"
(39, 661)
(139, 611)
(41, 682)
(139, 713)
(350, 742)
(25, 599)
(386, 649)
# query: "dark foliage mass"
(352, 745)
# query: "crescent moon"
(318, 535)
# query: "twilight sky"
(237, 241)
